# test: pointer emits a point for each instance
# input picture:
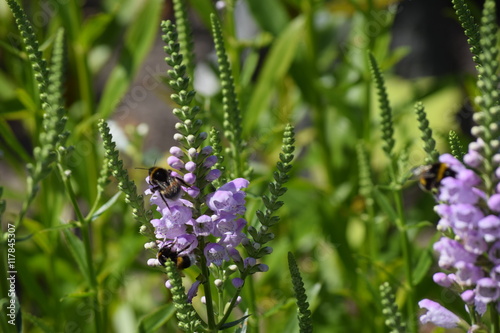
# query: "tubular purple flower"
(215, 254)
(176, 151)
(475, 243)
(489, 228)
(229, 199)
(465, 218)
(193, 291)
(494, 253)
(193, 191)
(190, 178)
(213, 175)
(237, 282)
(450, 252)
(249, 262)
(494, 202)
(210, 161)
(438, 315)
(467, 274)
(487, 290)
(455, 191)
(190, 166)
(468, 296)
(207, 150)
(175, 162)
(442, 279)
(204, 226)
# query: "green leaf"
(423, 264)
(204, 8)
(138, 40)
(93, 28)
(38, 323)
(277, 63)
(271, 14)
(106, 206)
(156, 319)
(233, 323)
(12, 142)
(386, 206)
(425, 261)
(77, 250)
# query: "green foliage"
(352, 223)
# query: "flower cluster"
(182, 224)
(469, 250)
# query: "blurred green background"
(294, 61)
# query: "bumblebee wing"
(421, 171)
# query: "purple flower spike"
(215, 254)
(438, 315)
(487, 290)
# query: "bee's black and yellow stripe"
(430, 176)
(181, 261)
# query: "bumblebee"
(167, 185)
(181, 261)
(430, 176)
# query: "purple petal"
(438, 315)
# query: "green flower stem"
(84, 81)
(208, 291)
(84, 226)
(407, 259)
(495, 326)
(231, 304)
